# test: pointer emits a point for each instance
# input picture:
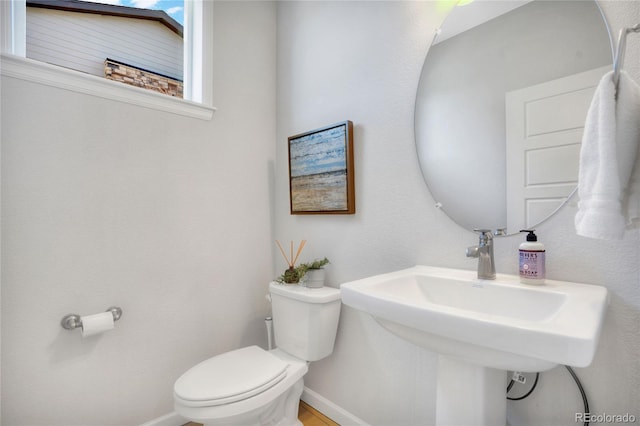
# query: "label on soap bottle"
(532, 264)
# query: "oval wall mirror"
(501, 105)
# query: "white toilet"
(251, 386)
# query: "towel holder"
(619, 59)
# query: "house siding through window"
(83, 42)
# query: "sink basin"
(499, 323)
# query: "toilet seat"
(230, 377)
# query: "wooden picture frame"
(321, 175)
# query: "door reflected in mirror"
(500, 109)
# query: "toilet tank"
(305, 320)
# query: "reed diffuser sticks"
(291, 260)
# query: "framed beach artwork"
(321, 171)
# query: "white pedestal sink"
(469, 394)
(481, 328)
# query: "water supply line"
(268, 321)
(583, 394)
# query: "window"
(18, 62)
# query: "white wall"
(361, 61)
(104, 204)
(171, 218)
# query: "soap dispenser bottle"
(532, 254)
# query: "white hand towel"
(629, 112)
(607, 159)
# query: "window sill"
(63, 78)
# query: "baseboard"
(171, 419)
(331, 410)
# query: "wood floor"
(308, 415)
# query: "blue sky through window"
(174, 8)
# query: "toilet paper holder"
(71, 321)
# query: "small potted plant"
(313, 273)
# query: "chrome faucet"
(484, 252)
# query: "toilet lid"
(231, 376)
